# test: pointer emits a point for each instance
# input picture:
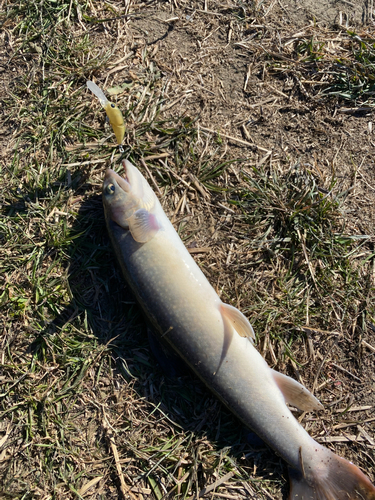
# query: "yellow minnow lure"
(114, 114)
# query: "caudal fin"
(338, 479)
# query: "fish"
(114, 114)
(217, 341)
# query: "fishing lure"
(114, 114)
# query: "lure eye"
(113, 105)
(110, 189)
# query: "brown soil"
(203, 59)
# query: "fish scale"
(215, 340)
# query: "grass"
(85, 412)
(341, 72)
(354, 77)
(297, 229)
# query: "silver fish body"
(187, 314)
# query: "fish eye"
(113, 105)
(110, 189)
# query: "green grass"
(353, 79)
(299, 238)
(343, 73)
(74, 351)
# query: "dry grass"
(85, 410)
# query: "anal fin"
(295, 393)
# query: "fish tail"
(333, 479)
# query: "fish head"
(127, 194)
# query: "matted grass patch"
(85, 410)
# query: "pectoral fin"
(238, 321)
(143, 225)
(295, 393)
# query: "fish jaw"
(130, 202)
(118, 201)
(133, 184)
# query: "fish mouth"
(123, 182)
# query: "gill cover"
(130, 202)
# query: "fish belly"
(184, 310)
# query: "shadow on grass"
(91, 362)
(104, 307)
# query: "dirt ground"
(208, 61)
(232, 68)
(329, 12)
